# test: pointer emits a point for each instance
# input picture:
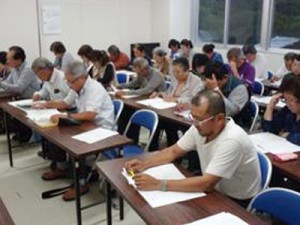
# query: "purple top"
(247, 74)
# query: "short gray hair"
(159, 51)
(41, 63)
(77, 69)
(140, 62)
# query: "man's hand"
(36, 97)
(153, 95)
(168, 98)
(55, 118)
(182, 106)
(146, 182)
(211, 83)
(121, 93)
(39, 105)
(134, 165)
(284, 134)
(274, 100)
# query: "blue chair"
(280, 203)
(270, 74)
(122, 78)
(167, 84)
(143, 118)
(254, 110)
(265, 168)
(258, 88)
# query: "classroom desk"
(178, 213)
(270, 86)
(61, 136)
(166, 114)
(289, 169)
(7, 96)
(5, 218)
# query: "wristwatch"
(164, 185)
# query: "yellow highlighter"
(131, 173)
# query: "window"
(268, 23)
(286, 24)
(211, 20)
(245, 22)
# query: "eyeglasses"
(284, 100)
(73, 81)
(199, 122)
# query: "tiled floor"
(21, 188)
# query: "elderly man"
(21, 79)
(119, 59)
(240, 68)
(233, 91)
(147, 81)
(228, 158)
(54, 87)
(89, 108)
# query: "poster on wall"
(51, 19)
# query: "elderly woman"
(106, 69)
(285, 122)
(183, 88)
(161, 61)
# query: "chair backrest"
(258, 88)
(167, 84)
(144, 118)
(122, 78)
(265, 169)
(281, 203)
(118, 108)
(270, 74)
(254, 110)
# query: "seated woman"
(161, 61)
(183, 88)
(186, 51)
(85, 54)
(139, 51)
(285, 122)
(174, 47)
(106, 69)
(208, 49)
(198, 64)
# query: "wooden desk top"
(167, 114)
(5, 218)
(6, 96)
(61, 136)
(291, 169)
(178, 213)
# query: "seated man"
(54, 87)
(228, 158)
(286, 67)
(285, 122)
(233, 91)
(119, 59)
(257, 60)
(99, 109)
(147, 81)
(22, 81)
(4, 70)
(240, 68)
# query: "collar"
(86, 84)
(22, 66)
(53, 77)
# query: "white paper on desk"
(220, 219)
(95, 135)
(183, 113)
(160, 198)
(272, 143)
(23, 102)
(266, 100)
(157, 103)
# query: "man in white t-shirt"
(257, 60)
(228, 158)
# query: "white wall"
(18, 26)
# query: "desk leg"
(121, 203)
(6, 118)
(75, 166)
(108, 203)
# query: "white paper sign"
(51, 19)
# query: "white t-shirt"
(94, 98)
(260, 65)
(231, 156)
(282, 71)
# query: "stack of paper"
(266, 100)
(42, 116)
(95, 135)
(272, 143)
(160, 198)
(157, 103)
(220, 219)
(114, 90)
